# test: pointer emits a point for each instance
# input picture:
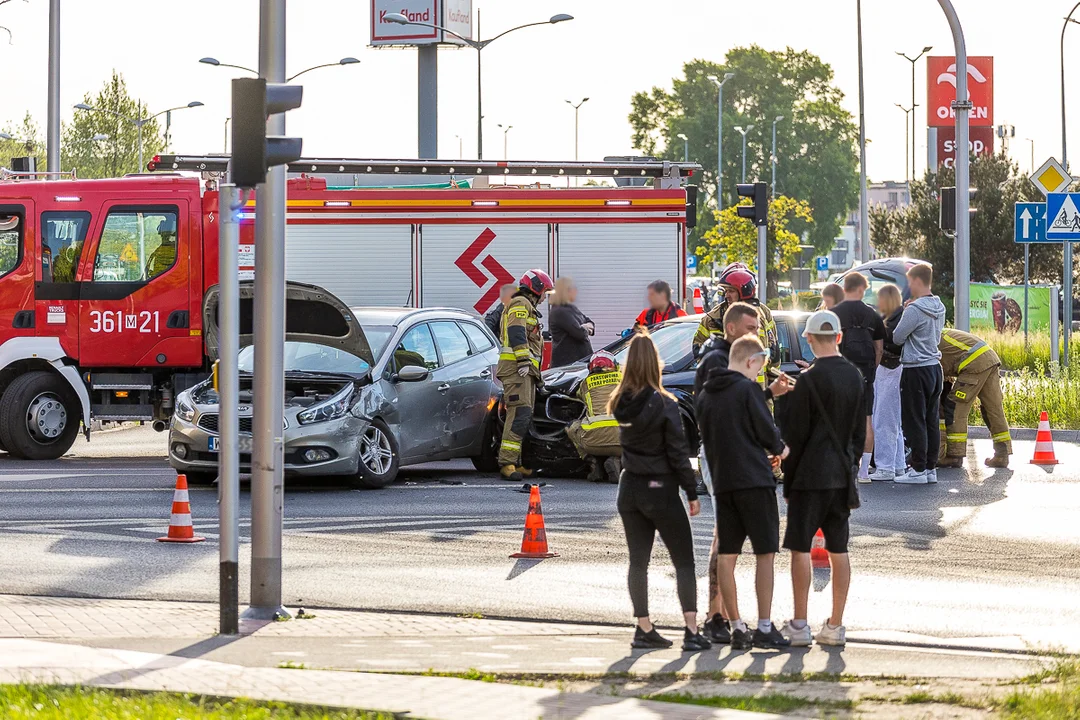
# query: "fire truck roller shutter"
(613, 263)
(463, 266)
(360, 264)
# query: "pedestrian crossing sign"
(1063, 217)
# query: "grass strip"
(768, 703)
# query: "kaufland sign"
(941, 91)
(455, 15)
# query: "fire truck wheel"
(488, 459)
(39, 416)
(378, 458)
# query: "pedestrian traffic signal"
(758, 211)
(253, 153)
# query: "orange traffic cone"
(534, 541)
(1044, 443)
(180, 529)
(699, 302)
(819, 556)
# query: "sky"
(611, 49)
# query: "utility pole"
(1067, 250)
(743, 131)
(773, 156)
(962, 107)
(267, 477)
(685, 147)
(52, 150)
(907, 141)
(864, 193)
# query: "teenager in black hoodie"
(656, 462)
(739, 436)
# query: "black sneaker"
(717, 629)
(651, 640)
(702, 489)
(741, 639)
(772, 639)
(693, 641)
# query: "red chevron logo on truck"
(466, 262)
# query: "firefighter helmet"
(537, 282)
(603, 361)
(742, 281)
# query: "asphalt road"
(984, 558)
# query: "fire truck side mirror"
(253, 101)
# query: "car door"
(421, 408)
(467, 373)
(61, 237)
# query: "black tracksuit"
(656, 462)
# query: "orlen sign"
(980, 141)
(455, 15)
(941, 91)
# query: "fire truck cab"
(102, 281)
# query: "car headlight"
(333, 408)
(184, 409)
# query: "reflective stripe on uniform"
(507, 445)
(956, 437)
(941, 424)
(1001, 437)
(954, 342)
(967, 361)
(600, 421)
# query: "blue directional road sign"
(1030, 224)
(822, 264)
(1063, 217)
(691, 262)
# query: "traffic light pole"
(962, 106)
(267, 478)
(762, 259)
(228, 376)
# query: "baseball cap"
(823, 322)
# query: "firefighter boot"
(524, 471)
(613, 468)
(596, 473)
(950, 462)
(509, 472)
(1001, 457)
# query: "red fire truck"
(102, 281)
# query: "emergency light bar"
(638, 169)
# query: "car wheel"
(378, 457)
(488, 459)
(39, 416)
(200, 478)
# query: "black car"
(546, 446)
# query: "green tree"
(119, 154)
(914, 230)
(733, 238)
(816, 142)
(25, 141)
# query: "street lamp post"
(907, 141)
(52, 134)
(217, 63)
(914, 60)
(226, 146)
(506, 131)
(739, 129)
(138, 122)
(720, 135)
(773, 156)
(577, 107)
(1067, 283)
(477, 45)
(460, 148)
(864, 192)
(685, 147)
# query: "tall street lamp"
(577, 107)
(138, 122)
(773, 156)
(1068, 252)
(506, 131)
(477, 45)
(217, 63)
(739, 129)
(907, 133)
(720, 135)
(460, 150)
(685, 147)
(914, 60)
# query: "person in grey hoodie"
(919, 332)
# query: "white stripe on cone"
(180, 496)
(180, 520)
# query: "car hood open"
(311, 315)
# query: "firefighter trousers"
(520, 394)
(986, 386)
(597, 436)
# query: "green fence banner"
(1001, 307)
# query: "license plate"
(243, 443)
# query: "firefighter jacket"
(712, 325)
(522, 342)
(598, 432)
(962, 352)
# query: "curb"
(978, 432)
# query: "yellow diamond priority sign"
(1051, 177)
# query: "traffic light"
(759, 210)
(947, 212)
(253, 153)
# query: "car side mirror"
(412, 373)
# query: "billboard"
(1001, 307)
(980, 140)
(941, 90)
(454, 15)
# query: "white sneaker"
(864, 479)
(799, 637)
(883, 476)
(931, 476)
(829, 635)
(912, 478)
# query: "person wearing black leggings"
(656, 462)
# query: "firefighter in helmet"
(164, 256)
(596, 435)
(738, 285)
(519, 367)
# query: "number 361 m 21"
(109, 321)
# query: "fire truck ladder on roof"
(670, 174)
(6, 174)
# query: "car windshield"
(673, 341)
(311, 357)
(804, 344)
(378, 336)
